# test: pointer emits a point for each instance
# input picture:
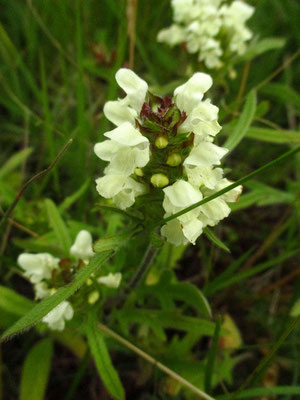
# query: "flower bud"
(159, 180)
(161, 142)
(93, 297)
(174, 160)
(139, 172)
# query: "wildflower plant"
(162, 158)
(48, 274)
(215, 30)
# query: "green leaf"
(46, 305)
(14, 161)
(243, 123)
(103, 362)
(215, 240)
(262, 195)
(295, 311)
(236, 278)
(167, 319)
(283, 93)
(35, 372)
(68, 201)
(13, 302)
(268, 135)
(261, 47)
(112, 242)
(39, 245)
(167, 291)
(212, 355)
(58, 226)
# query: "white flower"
(37, 266)
(189, 95)
(205, 154)
(126, 150)
(120, 188)
(135, 87)
(178, 197)
(83, 246)
(172, 35)
(215, 31)
(41, 290)
(183, 159)
(56, 318)
(111, 280)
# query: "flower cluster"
(163, 148)
(47, 273)
(213, 30)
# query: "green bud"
(139, 172)
(161, 142)
(93, 297)
(159, 180)
(174, 160)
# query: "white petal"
(207, 176)
(111, 280)
(173, 233)
(191, 93)
(110, 185)
(118, 112)
(131, 190)
(172, 35)
(124, 199)
(56, 317)
(135, 87)
(192, 230)
(182, 194)
(107, 149)
(37, 266)
(215, 210)
(233, 195)
(205, 154)
(126, 135)
(82, 247)
(41, 290)
(123, 163)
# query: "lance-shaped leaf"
(215, 240)
(58, 226)
(46, 305)
(243, 123)
(103, 362)
(35, 372)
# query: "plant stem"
(153, 361)
(142, 269)
(33, 178)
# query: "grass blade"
(58, 226)
(36, 371)
(103, 362)
(212, 356)
(215, 240)
(243, 123)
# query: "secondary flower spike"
(214, 29)
(48, 274)
(162, 158)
